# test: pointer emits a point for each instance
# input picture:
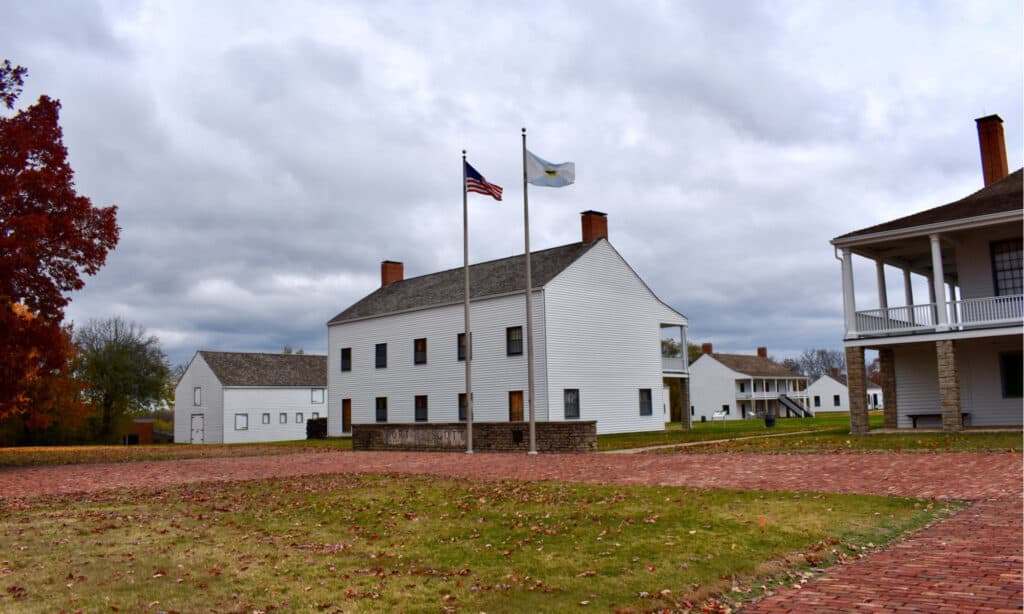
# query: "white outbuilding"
(243, 397)
(738, 386)
(829, 393)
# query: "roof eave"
(848, 241)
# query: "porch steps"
(795, 407)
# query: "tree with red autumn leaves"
(49, 237)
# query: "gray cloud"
(265, 161)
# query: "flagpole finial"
(524, 129)
(463, 153)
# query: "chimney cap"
(592, 212)
(989, 118)
(391, 262)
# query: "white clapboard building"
(953, 357)
(396, 356)
(829, 393)
(243, 397)
(739, 386)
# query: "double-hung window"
(461, 347)
(1007, 261)
(420, 408)
(346, 359)
(514, 341)
(419, 351)
(381, 409)
(241, 422)
(835, 400)
(381, 356)
(571, 400)
(462, 407)
(645, 402)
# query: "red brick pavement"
(969, 563)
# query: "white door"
(198, 428)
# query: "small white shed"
(244, 397)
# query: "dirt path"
(971, 562)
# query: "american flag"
(475, 182)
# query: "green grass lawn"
(380, 543)
(72, 455)
(703, 431)
(891, 442)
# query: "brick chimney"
(993, 148)
(595, 226)
(835, 372)
(762, 352)
(390, 272)
(706, 348)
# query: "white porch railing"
(672, 364)
(989, 310)
(966, 313)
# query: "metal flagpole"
(468, 339)
(529, 310)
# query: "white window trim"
(313, 396)
(197, 396)
(265, 418)
(245, 427)
(299, 418)
(282, 418)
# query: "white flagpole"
(469, 344)
(529, 310)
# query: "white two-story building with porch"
(738, 386)
(953, 358)
(397, 355)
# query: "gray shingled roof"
(1001, 196)
(256, 369)
(754, 365)
(492, 278)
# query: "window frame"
(463, 407)
(461, 348)
(417, 407)
(514, 341)
(346, 359)
(1012, 267)
(314, 415)
(646, 404)
(817, 400)
(419, 356)
(313, 396)
(380, 409)
(299, 418)
(282, 418)
(380, 356)
(571, 400)
(835, 400)
(197, 396)
(245, 425)
(265, 418)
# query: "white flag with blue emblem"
(541, 172)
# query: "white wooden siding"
(199, 374)
(713, 385)
(981, 391)
(604, 338)
(917, 381)
(257, 401)
(442, 378)
(827, 388)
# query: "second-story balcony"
(673, 364)
(963, 314)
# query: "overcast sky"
(265, 157)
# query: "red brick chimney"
(762, 352)
(595, 226)
(835, 372)
(706, 348)
(993, 148)
(390, 272)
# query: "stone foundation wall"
(569, 436)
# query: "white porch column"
(908, 295)
(883, 294)
(849, 302)
(938, 281)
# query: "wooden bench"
(965, 418)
